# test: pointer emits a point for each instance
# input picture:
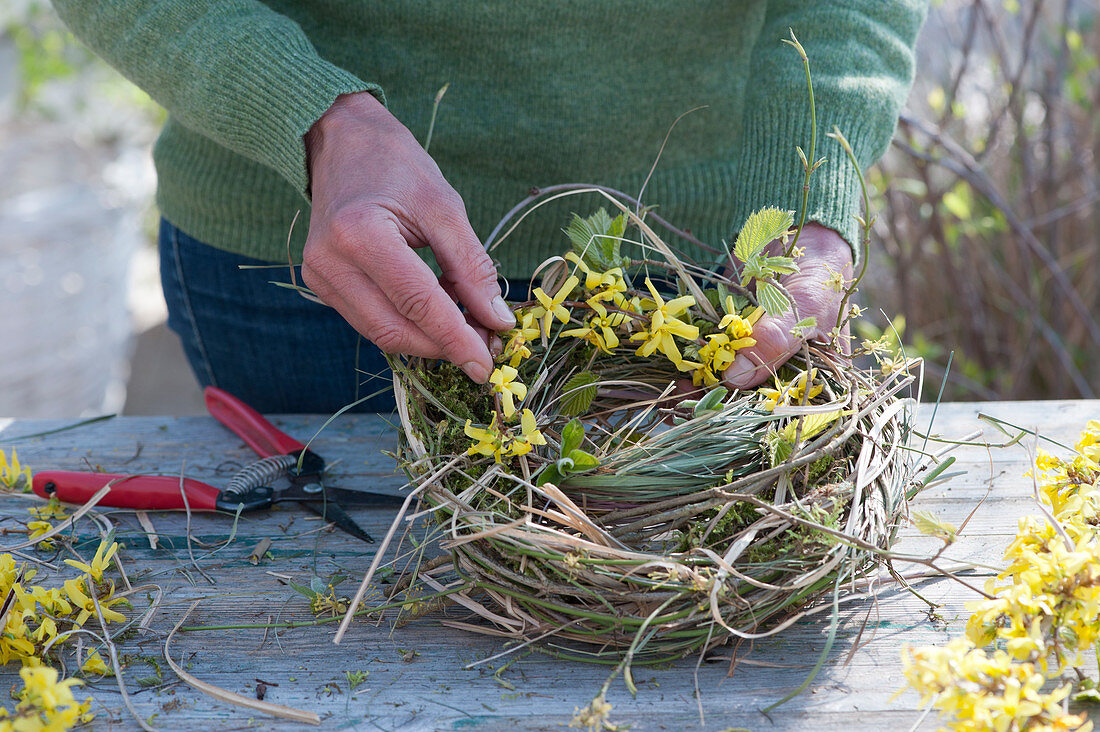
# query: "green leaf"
(355, 679)
(583, 461)
(572, 436)
(581, 235)
(931, 525)
(780, 265)
(1089, 696)
(549, 474)
(317, 585)
(578, 393)
(618, 226)
(798, 330)
(779, 449)
(712, 401)
(714, 297)
(812, 424)
(302, 590)
(596, 239)
(773, 300)
(760, 228)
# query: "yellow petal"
(679, 305)
(509, 404)
(684, 330)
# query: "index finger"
(466, 264)
(412, 288)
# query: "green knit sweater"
(540, 93)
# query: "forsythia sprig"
(987, 691)
(1043, 616)
(501, 442)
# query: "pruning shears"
(281, 456)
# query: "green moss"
(820, 468)
(454, 390)
(800, 541)
(461, 397)
(740, 515)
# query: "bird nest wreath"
(608, 498)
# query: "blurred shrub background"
(987, 215)
(988, 223)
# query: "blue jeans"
(265, 344)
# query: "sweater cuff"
(293, 88)
(770, 173)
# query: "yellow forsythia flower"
(39, 528)
(100, 563)
(51, 509)
(552, 307)
(599, 331)
(504, 382)
(502, 444)
(664, 326)
(45, 703)
(13, 476)
(1089, 444)
(94, 664)
(515, 348)
(791, 392)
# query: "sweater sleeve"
(234, 71)
(861, 62)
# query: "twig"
(113, 652)
(190, 549)
(229, 697)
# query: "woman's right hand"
(377, 195)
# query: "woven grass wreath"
(587, 504)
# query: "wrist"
(349, 109)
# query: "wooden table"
(420, 675)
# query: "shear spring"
(261, 472)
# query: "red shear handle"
(262, 436)
(143, 492)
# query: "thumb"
(774, 345)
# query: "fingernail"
(476, 371)
(503, 311)
(739, 372)
(495, 345)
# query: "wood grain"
(418, 676)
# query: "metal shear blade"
(342, 496)
(331, 511)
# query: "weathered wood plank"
(418, 675)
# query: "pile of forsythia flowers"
(39, 618)
(1024, 645)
